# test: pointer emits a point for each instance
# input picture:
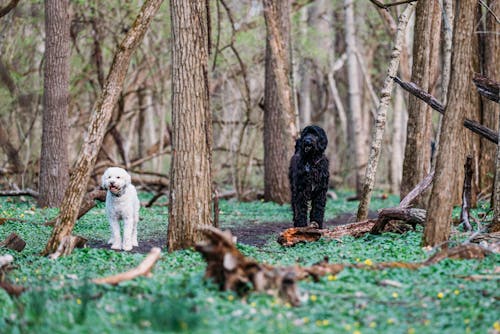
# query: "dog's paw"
(116, 246)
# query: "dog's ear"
(103, 180)
(128, 178)
(323, 139)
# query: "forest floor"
(251, 234)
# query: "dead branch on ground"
(232, 271)
(143, 269)
(14, 242)
(20, 192)
(11, 289)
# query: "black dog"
(309, 176)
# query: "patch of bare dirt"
(253, 234)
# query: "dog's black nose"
(308, 141)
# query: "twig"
(379, 4)
(143, 269)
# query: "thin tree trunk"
(437, 227)
(190, 172)
(492, 70)
(280, 128)
(54, 160)
(417, 160)
(385, 97)
(397, 141)
(101, 115)
(355, 120)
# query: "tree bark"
(378, 134)
(280, 130)
(491, 109)
(54, 159)
(190, 172)
(417, 159)
(437, 228)
(101, 115)
(357, 137)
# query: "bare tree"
(437, 227)
(378, 132)
(280, 128)
(54, 161)
(357, 138)
(190, 172)
(417, 160)
(101, 115)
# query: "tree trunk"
(492, 70)
(355, 120)
(280, 128)
(417, 160)
(54, 161)
(378, 133)
(190, 172)
(101, 115)
(437, 228)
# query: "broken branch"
(143, 269)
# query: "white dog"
(122, 203)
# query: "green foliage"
(61, 298)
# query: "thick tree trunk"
(280, 128)
(437, 228)
(190, 172)
(383, 106)
(101, 115)
(54, 161)
(417, 160)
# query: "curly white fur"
(122, 203)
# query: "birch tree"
(385, 98)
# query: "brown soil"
(253, 234)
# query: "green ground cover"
(60, 298)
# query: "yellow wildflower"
(332, 277)
(368, 262)
(395, 295)
(440, 295)
(313, 298)
(496, 325)
(78, 301)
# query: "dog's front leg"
(128, 231)
(299, 209)
(116, 239)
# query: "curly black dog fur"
(309, 176)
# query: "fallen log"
(14, 242)
(436, 105)
(295, 235)
(143, 269)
